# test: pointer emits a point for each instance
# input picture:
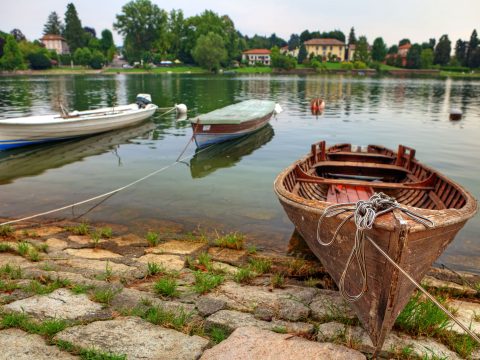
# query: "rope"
(110, 193)
(364, 213)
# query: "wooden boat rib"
(232, 121)
(39, 129)
(339, 175)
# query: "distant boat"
(30, 130)
(232, 121)
(338, 175)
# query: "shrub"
(39, 61)
(347, 65)
(359, 65)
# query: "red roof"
(324, 42)
(258, 52)
(52, 37)
(405, 46)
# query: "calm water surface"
(229, 187)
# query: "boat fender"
(278, 109)
(181, 108)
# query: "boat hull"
(216, 133)
(28, 131)
(304, 192)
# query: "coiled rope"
(365, 213)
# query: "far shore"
(301, 70)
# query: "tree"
(18, 35)
(426, 58)
(393, 49)
(413, 57)
(176, 32)
(305, 36)
(294, 42)
(302, 54)
(335, 34)
(12, 58)
(361, 50)
(352, 39)
(74, 33)
(379, 49)
(442, 51)
(472, 46)
(403, 42)
(280, 61)
(82, 56)
(475, 59)
(106, 41)
(461, 52)
(39, 61)
(209, 51)
(90, 31)
(143, 26)
(53, 25)
(97, 60)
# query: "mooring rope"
(364, 214)
(110, 193)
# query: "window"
(324, 48)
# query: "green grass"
(152, 238)
(80, 229)
(87, 354)
(107, 275)
(154, 268)
(205, 260)
(38, 288)
(23, 248)
(231, 241)
(34, 255)
(277, 281)
(160, 316)
(95, 236)
(106, 232)
(459, 74)
(104, 295)
(23, 321)
(280, 329)
(243, 275)
(217, 334)
(8, 286)
(166, 287)
(252, 249)
(5, 248)
(260, 266)
(6, 230)
(10, 272)
(253, 70)
(385, 67)
(81, 288)
(204, 282)
(160, 70)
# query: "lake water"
(229, 187)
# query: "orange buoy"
(317, 105)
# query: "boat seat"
(340, 194)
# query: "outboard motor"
(143, 100)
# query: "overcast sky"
(417, 20)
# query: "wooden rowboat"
(24, 131)
(232, 121)
(337, 175)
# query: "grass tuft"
(217, 334)
(23, 248)
(260, 266)
(80, 229)
(154, 268)
(152, 238)
(231, 241)
(10, 272)
(6, 230)
(5, 248)
(166, 287)
(243, 275)
(277, 281)
(204, 282)
(104, 295)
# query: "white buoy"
(181, 108)
(278, 109)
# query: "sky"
(417, 20)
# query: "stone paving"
(67, 295)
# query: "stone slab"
(178, 247)
(394, 342)
(248, 343)
(231, 320)
(130, 240)
(467, 313)
(81, 239)
(13, 260)
(55, 244)
(290, 303)
(60, 304)
(226, 268)
(93, 253)
(229, 256)
(328, 303)
(19, 345)
(135, 338)
(170, 262)
(97, 266)
(449, 285)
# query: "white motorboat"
(30, 130)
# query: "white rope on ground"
(105, 194)
(365, 213)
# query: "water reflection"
(31, 161)
(229, 153)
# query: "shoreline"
(199, 290)
(394, 73)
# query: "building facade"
(255, 56)
(327, 49)
(285, 51)
(55, 42)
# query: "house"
(55, 42)
(400, 58)
(328, 49)
(351, 52)
(285, 51)
(254, 56)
